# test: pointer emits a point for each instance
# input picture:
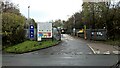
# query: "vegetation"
(7, 6)
(97, 16)
(58, 23)
(13, 24)
(13, 28)
(28, 46)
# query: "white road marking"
(97, 52)
(107, 52)
(116, 52)
(91, 49)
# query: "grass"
(29, 46)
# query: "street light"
(28, 11)
(27, 20)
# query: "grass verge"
(29, 46)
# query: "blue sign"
(31, 27)
(31, 35)
(40, 34)
(31, 31)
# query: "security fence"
(94, 34)
(97, 34)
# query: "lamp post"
(27, 20)
(28, 12)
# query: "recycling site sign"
(44, 30)
(40, 34)
(31, 31)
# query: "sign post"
(40, 36)
(31, 32)
(39, 39)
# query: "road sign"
(31, 31)
(44, 30)
(31, 27)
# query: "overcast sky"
(47, 10)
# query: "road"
(71, 52)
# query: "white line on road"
(107, 52)
(91, 49)
(116, 52)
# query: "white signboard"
(44, 30)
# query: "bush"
(12, 28)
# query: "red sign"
(49, 34)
